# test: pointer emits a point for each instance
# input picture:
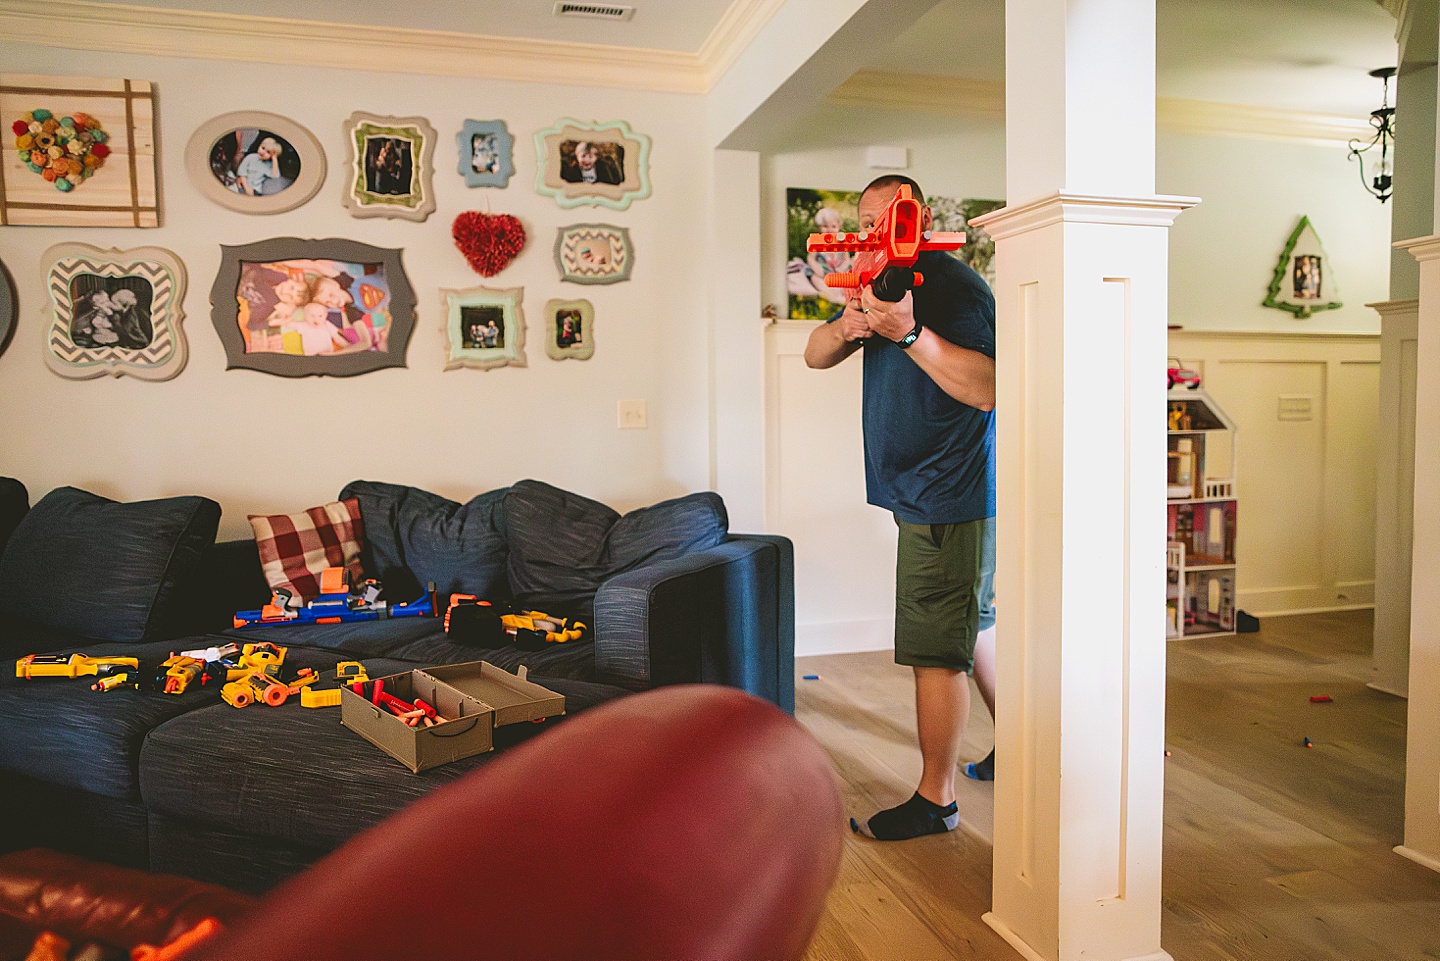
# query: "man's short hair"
(895, 180)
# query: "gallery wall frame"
(487, 153)
(484, 327)
(618, 164)
(116, 312)
(299, 308)
(389, 166)
(9, 307)
(228, 159)
(1303, 283)
(99, 170)
(594, 253)
(569, 329)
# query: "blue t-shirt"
(929, 458)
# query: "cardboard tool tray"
(472, 698)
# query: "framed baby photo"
(301, 308)
(114, 312)
(484, 327)
(594, 253)
(80, 152)
(486, 153)
(388, 166)
(570, 330)
(255, 163)
(595, 164)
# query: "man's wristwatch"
(904, 342)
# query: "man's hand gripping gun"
(887, 251)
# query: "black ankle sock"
(982, 770)
(915, 817)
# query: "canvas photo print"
(313, 308)
(810, 211)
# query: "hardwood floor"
(1273, 851)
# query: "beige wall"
(259, 443)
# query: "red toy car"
(1182, 375)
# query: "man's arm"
(966, 375)
(831, 343)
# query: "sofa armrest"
(724, 616)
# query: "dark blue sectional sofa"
(188, 785)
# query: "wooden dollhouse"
(1200, 559)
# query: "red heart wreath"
(488, 241)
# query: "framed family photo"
(595, 164)
(810, 211)
(80, 152)
(484, 327)
(297, 308)
(1302, 283)
(114, 312)
(255, 163)
(388, 166)
(570, 329)
(594, 253)
(486, 153)
(7, 307)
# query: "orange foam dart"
(177, 948)
(896, 240)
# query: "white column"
(1422, 736)
(1394, 494)
(1080, 583)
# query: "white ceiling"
(1303, 55)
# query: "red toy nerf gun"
(888, 250)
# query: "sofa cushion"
(295, 549)
(14, 502)
(101, 569)
(296, 775)
(413, 537)
(564, 546)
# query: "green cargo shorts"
(944, 592)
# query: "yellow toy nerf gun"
(888, 250)
(76, 665)
(178, 672)
(483, 624)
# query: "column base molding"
(1424, 860)
(1385, 688)
(1030, 954)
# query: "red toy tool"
(888, 250)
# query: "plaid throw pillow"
(295, 549)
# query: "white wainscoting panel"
(1306, 485)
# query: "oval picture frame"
(304, 186)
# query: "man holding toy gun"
(929, 393)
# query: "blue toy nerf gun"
(337, 604)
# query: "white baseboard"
(1424, 860)
(844, 637)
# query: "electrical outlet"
(631, 415)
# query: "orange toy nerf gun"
(888, 250)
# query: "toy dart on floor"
(469, 620)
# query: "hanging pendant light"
(1380, 177)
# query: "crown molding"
(87, 25)
(955, 96)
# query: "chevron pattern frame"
(83, 285)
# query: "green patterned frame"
(416, 205)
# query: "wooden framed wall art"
(114, 312)
(297, 308)
(594, 253)
(1304, 280)
(81, 152)
(570, 329)
(484, 327)
(599, 164)
(389, 166)
(255, 163)
(486, 153)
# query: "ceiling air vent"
(599, 11)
